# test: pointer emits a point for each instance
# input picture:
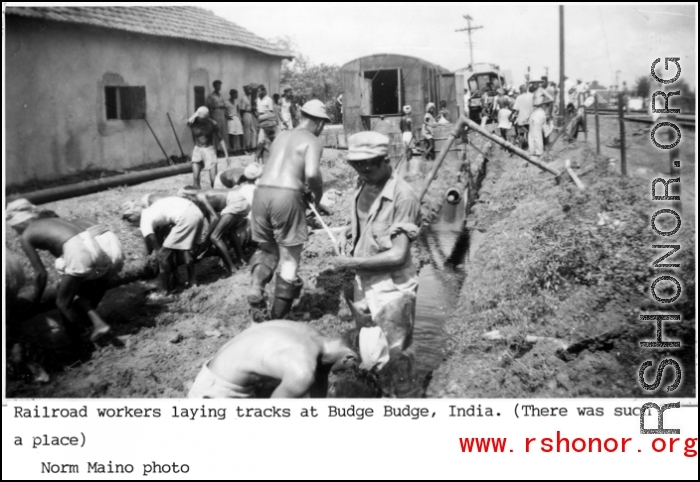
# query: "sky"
(599, 39)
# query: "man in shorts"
(385, 221)
(206, 135)
(83, 265)
(187, 222)
(279, 210)
(228, 210)
(295, 354)
(406, 126)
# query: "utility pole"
(617, 80)
(469, 29)
(546, 72)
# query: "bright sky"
(600, 39)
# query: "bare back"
(273, 349)
(50, 234)
(294, 157)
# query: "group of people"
(264, 204)
(242, 124)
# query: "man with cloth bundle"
(206, 134)
(385, 221)
(84, 266)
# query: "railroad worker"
(504, 123)
(286, 123)
(235, 127)
(522, 108)
(83, 266)
(385, 221)
(296, 355)
(538, 119)
(443, 114)
(267, 113)
(246, 109)
(230, 178)
(227, 210)
(278, 221)
(262, 152)
(406, 126)
(186, 222)
(427, 131)
(206, 134)
(107, 240)
(216, 103)
(467, 97)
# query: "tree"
(643, 87)
(309, 81)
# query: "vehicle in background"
(480, 77)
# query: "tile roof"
(183, 22)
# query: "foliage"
(310, 81)
(643, 86)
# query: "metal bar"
(621, 116)
(176, 138)
(597, 126)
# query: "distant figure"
(295, 355)
(406, 126)
(443, 114)
(485, 106)
(246, 110)
(427, 131)
(84, 267)
(286, 106)
(538, 119)
(504, 123)
(187, 222)
(262, 152)
(216, 103)
(267, 113)
(206, 134)
(279, 208)
(340, 101)
(522, 108)
(235, 126)
(467, 97)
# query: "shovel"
(168, 160)
(183, 158)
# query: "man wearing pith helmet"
(292, 178)
(385, 221)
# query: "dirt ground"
(160, 346)
(549, 270)
(550, 306)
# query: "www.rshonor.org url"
(558, 444)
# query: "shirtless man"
(205, 132)
(187, 222)
(278, 217)
(227, 209)
(83, 266)
(296, 354)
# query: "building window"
(199, 97)
(125, 103)
(382, 92)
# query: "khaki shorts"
(236, 203)
(188, 230)
(208, 385)
(205, 155)
(279, 215)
